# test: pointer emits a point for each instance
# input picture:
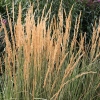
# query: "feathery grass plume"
(11, 39)
(19, 29)
(75, 36)
(8, 51)
(94, 44)
(58, 44)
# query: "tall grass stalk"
(43, 63)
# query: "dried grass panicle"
(95, 40)
(55, 52)
(8, 50)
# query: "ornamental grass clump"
(42, 62)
